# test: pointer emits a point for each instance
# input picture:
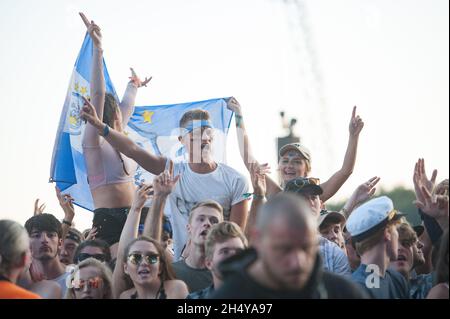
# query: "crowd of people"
(206, 236)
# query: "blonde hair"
(206, 203)
(221, 232)
(105, 274)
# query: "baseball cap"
(296, 147)
(330, 215)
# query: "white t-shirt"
(62, 281)
(224, 185)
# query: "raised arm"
(66, 203)
(245, 147)
(162, 187)
(129, 233)
(152, 163)
(331, 186)
(362, 193)
(91, 137)
(129, 97)
(258, 177)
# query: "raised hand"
(420, 180)
(364, 191)
(66, 203)
(93, 30)
(89, 114)
(435, 206)
(164, 183)
(92, 233)
(38, 209)
(142, 194)
(258, 176)
(137, 81)
(356, 124)
(234, 106)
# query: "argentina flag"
(154, 128)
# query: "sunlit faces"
(143, 263)
(288, 253)
(44, 244)
(405, 259)
(198, 144)
(67, 251)
(314, 202)
(291, 165)
(201, 221)
(89, 284)
(333, 232)
(223, 251)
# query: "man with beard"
(224, 240)
(193, 270)
(45, 233)
(285, 262)
(409, 257)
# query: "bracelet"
(239, 120)
(106, 130)
(66, 222)
(248, 195)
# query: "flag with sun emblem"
(154, 128)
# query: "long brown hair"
(109, 110)
(165, 268)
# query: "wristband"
(106, 130)
(66, 222)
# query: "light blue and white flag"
(154, 128)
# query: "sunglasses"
(137, 258)
(92, 283)
(83, 256)
(300, 183)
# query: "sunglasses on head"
(306, 181)
(92, 283)
(300, 183)
(137, 258)
(83, 256)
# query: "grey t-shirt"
(392, 286)
(195, 279)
